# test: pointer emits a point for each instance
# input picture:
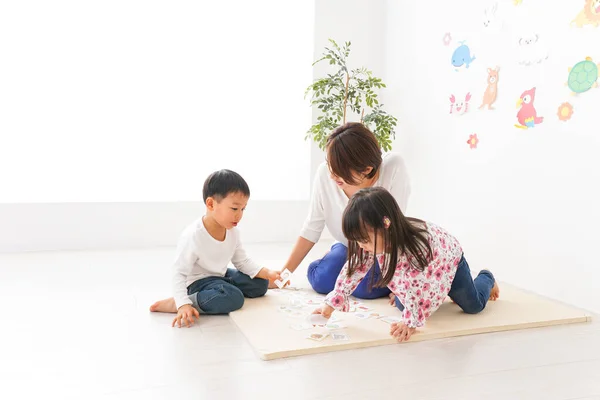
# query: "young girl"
(421, 263)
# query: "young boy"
(202, 283)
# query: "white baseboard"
(92, 226)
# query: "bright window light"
(139, 100)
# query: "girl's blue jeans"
(470, 295)
(323, 273)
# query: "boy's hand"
(401, 332)
(187, 314)
(325, 311)
(272, 276)
(272, 284)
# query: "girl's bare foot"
(495, 293)
(166, 305)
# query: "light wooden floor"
(76, 325)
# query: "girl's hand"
(187, 314)
(401, 332)
(325, 311)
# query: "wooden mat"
(267, 322)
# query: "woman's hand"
(401, 332)
(325, 311)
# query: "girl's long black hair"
(371, 209)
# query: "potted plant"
(348, 90)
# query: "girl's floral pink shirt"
(421, 293)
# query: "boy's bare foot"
(392, 297)
(166, 305)
(495, 293)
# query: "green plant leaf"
(328, 94)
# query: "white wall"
(363, 24)
(79, 226)
(357, 21)
(525, 202)
(112, 116)
(136, 100)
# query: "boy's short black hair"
(221, 183)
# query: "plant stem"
(362, 116)
(346, 95)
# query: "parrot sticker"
(527, 115)
(462, 56)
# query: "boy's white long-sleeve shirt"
(199, 255)
(328, 201)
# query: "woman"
(354, 161)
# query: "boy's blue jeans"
(323, 273)
(470, 295)
(222, 295)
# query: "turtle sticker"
(583, 76)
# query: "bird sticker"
(527, 115)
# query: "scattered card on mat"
(317, 319)
(334, 318)
(335, 325)
(339, 336)
(362, 315)
(390, 320)
(297, 313)
(317, 336)
(300, 327)
(314, 301)
(363, 308)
